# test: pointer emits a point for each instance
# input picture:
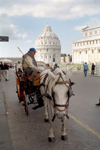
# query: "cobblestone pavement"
(31, 132)
(5, 140)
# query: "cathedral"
(48, 46)
(87, 49)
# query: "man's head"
(32, 51)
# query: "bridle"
(67, 102)
(52, 98)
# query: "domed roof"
(47, 34)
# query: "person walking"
(18, 67)
(98, 104)
(6, 71)
(92, 69)
(85, 69)
(1, 69)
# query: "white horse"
(55, 89)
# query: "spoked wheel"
(19, 93)
(25, 99)
(18, 90)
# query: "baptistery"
(48, 46)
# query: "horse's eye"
(68, 93)
(53, 93)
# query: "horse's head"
(60, 91)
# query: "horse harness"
(52, 97)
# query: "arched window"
(90, 33)
(99, 51)
(95, 32)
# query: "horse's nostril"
(60, 115)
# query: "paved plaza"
(21, 132)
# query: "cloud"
(29, 41)
(91, 23)
(9, 29)
(80, 27)
(62, 9)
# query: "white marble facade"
(87, 49)
(48, 46)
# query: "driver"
(29, 63)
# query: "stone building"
(87, 49)
(66, 59)
(48, 46)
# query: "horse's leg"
(45, 109)
(45, 101)
(63, 134)
(51, 137)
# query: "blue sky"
(23, 21)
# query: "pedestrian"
(48, 66)
(6, 71)
(18, 67)
(98, 103)
(92, 69)
(1, 69)
(85, 69)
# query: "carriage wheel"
(25, 103)
(19, 93)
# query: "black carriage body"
(28, 91)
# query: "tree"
(63, 55)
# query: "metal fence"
(79, 67)
(98, 69)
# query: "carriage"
(28, 92)
(56, 92)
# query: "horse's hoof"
(64, 137)
(51, 139)
(46, 120)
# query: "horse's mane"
(57, 71)
(68, 73)
(48, 71)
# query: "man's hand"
(38, 70)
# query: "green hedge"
(75, 67)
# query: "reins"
(67, 103)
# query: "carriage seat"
(35, 79)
